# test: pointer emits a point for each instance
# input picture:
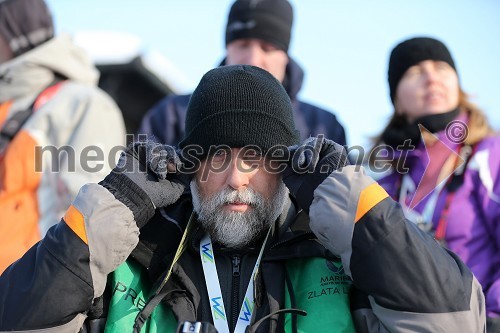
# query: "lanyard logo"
(207, 254)
(246, 312)
(218, 308)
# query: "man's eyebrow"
(252, 150)
(213, 150)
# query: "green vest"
(321, 288)
(129, 295)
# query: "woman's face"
(429, 87)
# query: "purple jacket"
(473, 223)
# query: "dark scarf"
(400, 130)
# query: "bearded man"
(243, 231)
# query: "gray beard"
(238, 229)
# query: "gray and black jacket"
(403, 280)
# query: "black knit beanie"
(238, 106)
(269, 20)
(25, 24)
(411, 52)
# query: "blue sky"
(343, 45)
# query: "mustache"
(246, 196)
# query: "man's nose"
(255, 56)
(239, 174)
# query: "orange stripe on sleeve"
(368, 198)
(74, 220)
(4, 110)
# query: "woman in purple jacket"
(445, 161)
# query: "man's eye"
(270, 48)
(252, 154)
(242, 44)
(255, 161)
(219, 155)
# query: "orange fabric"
(368, 198)
(4, 110)
(74, 220)
(19, 214)
(18, 199)
(46, 95)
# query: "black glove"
(310, 163)
(147, 177)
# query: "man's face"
(237, 197)
(256, 52)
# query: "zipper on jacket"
(235, 290)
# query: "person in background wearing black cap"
(451, 188)
(256, 234)
(48, 100)
(258, 33)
